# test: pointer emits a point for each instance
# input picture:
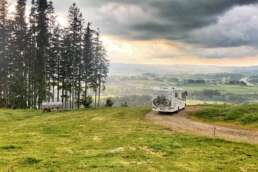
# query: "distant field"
(115, 139)
(232, 89)
(240, 115)
(204, 92)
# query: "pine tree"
(42, 45)
(31, 57)
(53, 51)
(18, 94)
(100, 69)
(57, 43)
(65, 70)
(88, 50)
(40, 61)
(76, 34)
(3, 53)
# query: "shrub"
(31, 161)
(250, 118)
(244, 114)
(109, 102)
(87, 102)
(10, 147)
(125, 104)
(2, 103)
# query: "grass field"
(115, 139)
(245, 115)
(223, 88)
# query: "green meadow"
(245, 115)
(111, 139)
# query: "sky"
(193, 32)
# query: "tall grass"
(245, 114)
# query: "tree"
(53, 52)
(31, 57)
(75, 31)
(56, 60)
(3, 54)
(100, 69)
(39, 59)
(18, 97)
(88, 59)
(41, 54)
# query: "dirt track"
(179, 122)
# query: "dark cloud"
(211, 24)
(181, 16)
(168, 19)
(238, 27)
(177, 20)
(203, 23)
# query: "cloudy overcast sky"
(214, 32)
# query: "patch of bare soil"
(179, 122)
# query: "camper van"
(169, 100)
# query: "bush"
(31, 161)
(87, 102)
(125, 104)
(249, 118)
(2, 103)
(109, 102)
(244, 114)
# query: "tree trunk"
(53, 99)
(95, 101)
(99, 92)
(79, 95)
(86, 90)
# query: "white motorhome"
(169, 100)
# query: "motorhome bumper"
(165, 110)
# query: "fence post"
(214, 131)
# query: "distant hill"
(137, 69)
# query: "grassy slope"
(116, 139)
(245, 115)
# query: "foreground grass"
(245, 115)
(116, 139)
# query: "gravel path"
(179, 122)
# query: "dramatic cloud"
(164, 19)
(238, 27)
(211, 29)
